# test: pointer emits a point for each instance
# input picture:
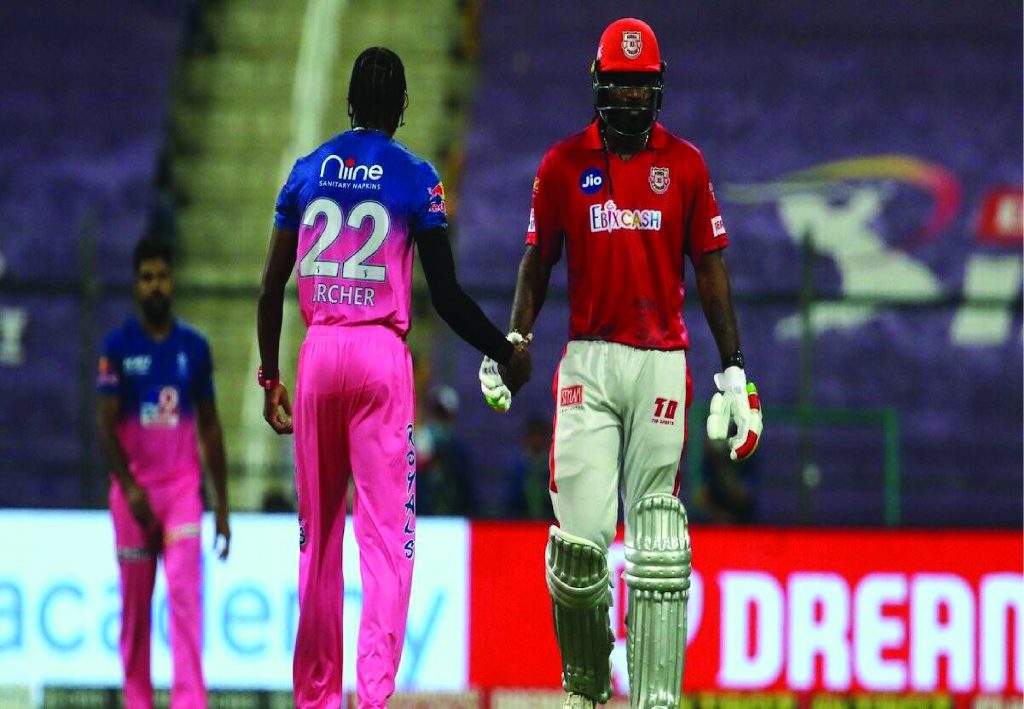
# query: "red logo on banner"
(1001, 218)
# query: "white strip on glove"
(495, 392)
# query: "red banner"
(806, 611)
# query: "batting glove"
(495, 392)
(736, 402)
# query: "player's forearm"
(716, 301)
(531, 290)
(115, 453)
(722, 320)
(269, 314)
(212, 436)
(456, 308)
(270, 309)
(466, 319)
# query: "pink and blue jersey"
(355, 202)
(159, 385)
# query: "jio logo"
(591, 181)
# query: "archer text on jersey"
(343, 295)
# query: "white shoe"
(577, 701)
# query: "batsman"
(626, 200)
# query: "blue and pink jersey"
(159, 385)
(355, 202)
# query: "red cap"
(628, 45)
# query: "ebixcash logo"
(608, 217)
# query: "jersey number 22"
(355, 266)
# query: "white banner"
(60, 605)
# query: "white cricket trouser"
(620, 421)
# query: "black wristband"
(733, 360)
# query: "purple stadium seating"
(82, 107)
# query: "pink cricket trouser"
(179, 508)
(353, 414)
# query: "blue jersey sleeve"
(202, 372)
(108, 374)
(429, 208)
(286, 213)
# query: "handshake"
(499, 382)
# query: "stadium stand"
(81, 121)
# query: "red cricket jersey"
(625, 234)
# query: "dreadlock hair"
(377, 91)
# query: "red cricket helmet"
(628, 77)
(628, 45)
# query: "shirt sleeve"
(544, 229)
(707, 230)
(286, 213)
(108, 374)
(202, 373)
(429, 208)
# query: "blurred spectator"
(527, 496)
(727, 492)
(444, 484)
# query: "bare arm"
(276, 271)
(736, 402)
(716, 301)
(531, 290)
(277, 410)
(108, 410)
(212, 437)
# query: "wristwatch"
(267, 383)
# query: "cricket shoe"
(578, 701)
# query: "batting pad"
(579, 582)
(658, 578)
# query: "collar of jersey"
(592, 138)
(359, 130)
(135, 324)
